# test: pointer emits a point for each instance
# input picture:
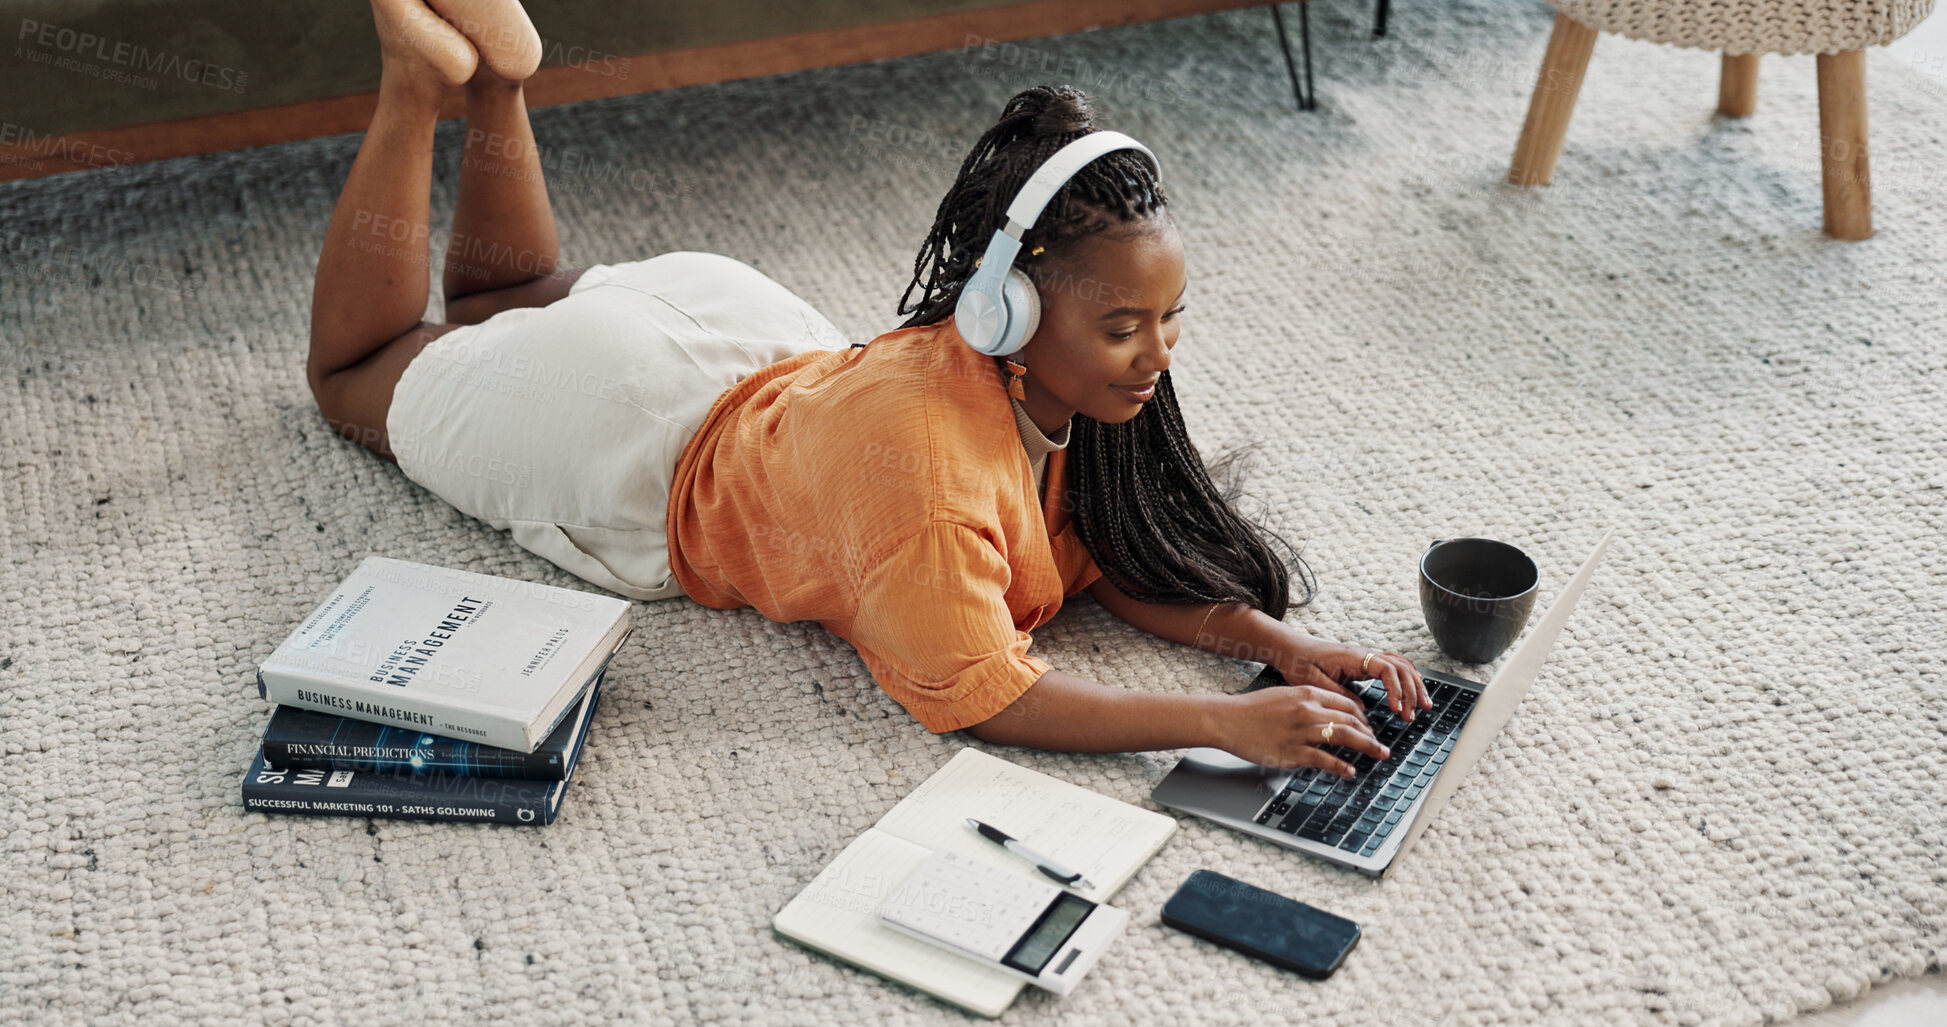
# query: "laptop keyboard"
(1356, 814)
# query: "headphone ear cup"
(980, 316)
(1023, 312)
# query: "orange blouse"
(884, 493)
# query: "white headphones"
(998, 308)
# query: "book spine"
(538, 766)
(309, 691)
(268, 789)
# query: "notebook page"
(837, 914)
(1106, 839)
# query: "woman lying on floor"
(685, 425)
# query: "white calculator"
(1028, 928)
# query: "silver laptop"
(1367, 822)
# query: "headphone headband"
(1055, 172)
(998, 308)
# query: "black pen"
(1052, 870)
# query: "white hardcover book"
(1105, 839)
(471, 656)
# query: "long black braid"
(1145, 505)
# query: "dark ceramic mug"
(1476, 594)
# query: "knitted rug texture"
(1720, 804)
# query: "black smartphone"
(1263, 925)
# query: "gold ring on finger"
(1328, 732)
(1367, 662)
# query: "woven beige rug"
(1721, 803)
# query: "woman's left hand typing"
(1333, 665)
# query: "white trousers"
(563, 424)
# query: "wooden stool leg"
(1842, 145)
(1560, 80)
(1737, 85)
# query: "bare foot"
(412, 35)
(500, 30)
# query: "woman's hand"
(1296, 727)
(1332, 666)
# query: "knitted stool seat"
(1838, 31)
(1753, 26)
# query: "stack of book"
(424, 693)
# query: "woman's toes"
(500, 30)
(409, 31)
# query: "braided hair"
(1145, 506)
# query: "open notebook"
(1107, 840)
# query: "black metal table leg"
(1379, 17)
(1307, 94)
(1305, 38)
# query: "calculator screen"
(1044, 939)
